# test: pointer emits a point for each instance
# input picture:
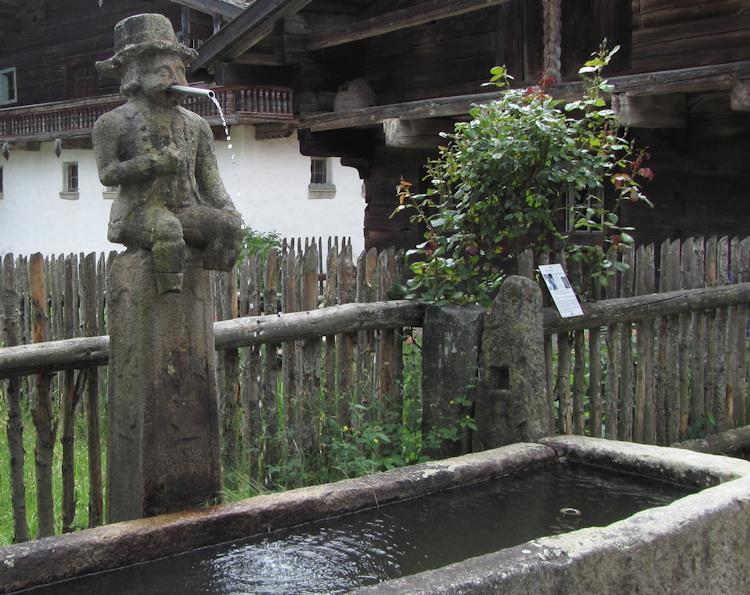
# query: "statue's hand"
(168, 160)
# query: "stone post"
(511, 402)
(450, 360)
(177, 221)
(163, 423)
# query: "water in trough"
(341, 554)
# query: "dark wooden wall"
(454, 57)
(671, 34)
(63, 37)
(702, 181)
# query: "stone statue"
(178, 223)
(161, 157)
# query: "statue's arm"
(107, 135)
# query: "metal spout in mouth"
(195, 91)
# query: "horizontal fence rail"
(643, 307)
(69, 354)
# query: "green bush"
(500, 187)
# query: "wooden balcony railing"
(71, 119)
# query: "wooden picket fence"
(652, 378)
(659, 379)
(58, 298)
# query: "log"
(96, 480)
(726, 442)
(411, 16)
(643, 307)
(307, 407)
(252, 330)
(42, 413)
(651, 111)
(271, 368)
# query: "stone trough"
(698, 544)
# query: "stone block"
(163, 424)
(511, 403)
(450, 360)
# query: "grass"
(81, 475)
(378, 437)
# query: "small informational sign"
(559, 288)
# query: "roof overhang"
(244, 31)
(721, 77)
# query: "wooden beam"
(724, 443)
(419, 14)
(415, 134)
(69, 354)
(273, 131)
(644, 307)
(245, 31)
(651, 111)
(83, 142)
(686, 80)
(24, 145)
(258, 59)
(212, 7)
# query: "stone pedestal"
(511, 403)
(163, 444)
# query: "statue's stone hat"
(143, 33)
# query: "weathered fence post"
(71, 391)
(42, 414)
(251, 365)
(308, 401)
(367, 281)
(14, 429)
(386, 381)
(450, 361)
(346, 289)
(227, 370)
(96, 500)
(290, 369)
(511, 402)
(269, 388)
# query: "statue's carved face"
(158, 73)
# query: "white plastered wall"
(271, 177)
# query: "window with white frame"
(321, 182)
(70, 181)
(8, 86)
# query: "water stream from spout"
(229, 143)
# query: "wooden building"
(373, 82)
(376, 80)
(51, 199)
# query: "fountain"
(698, 543)
(177, 222)
(163, 456)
